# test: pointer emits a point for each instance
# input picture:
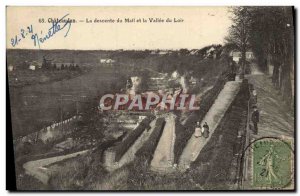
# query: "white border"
(104, 3)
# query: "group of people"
(201, 131)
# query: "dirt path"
(163, 158)
(275, 119)
(38, 170)
(213, 117)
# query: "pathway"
(163, 158)
(38, 168)
(213, 117)
(275, 118)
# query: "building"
(193, 80)
(107, 61)
(175, 74)
(194, 52)
(154, 52)
(32, 67)
(10, 67)
(163, 52)
(237, 55)
(213, 53)
(249, 55)
(60, 65)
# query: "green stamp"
(272, 163)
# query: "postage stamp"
(272, 163)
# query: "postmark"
(272, 163)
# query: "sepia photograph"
(151, 98)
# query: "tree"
(269, 32)
(239, 31)
(272, 41)
(184, 52)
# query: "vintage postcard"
(151, 98)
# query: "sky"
(201, 26)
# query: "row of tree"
(269, 33)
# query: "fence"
(244, 162)
(50, 132)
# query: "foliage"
(269, 32)
(239, 32)
(272, 41)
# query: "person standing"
(205, 132)
(254, 96)
(198, 132)
(255, 119)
